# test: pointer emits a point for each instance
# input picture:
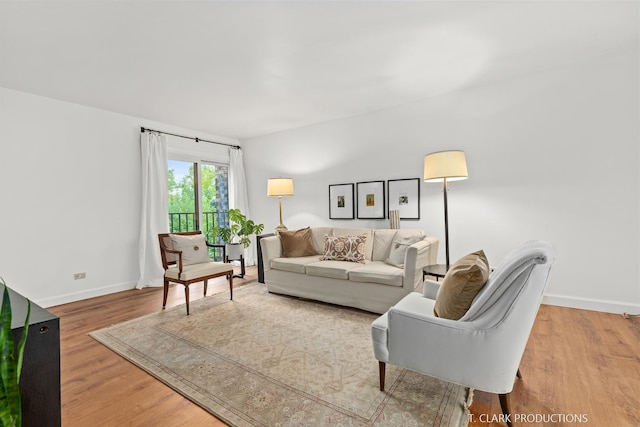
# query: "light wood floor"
(576, 362)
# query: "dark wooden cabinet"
(40, 378)
(259, 250)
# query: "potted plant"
(10, 365)
(237, 234)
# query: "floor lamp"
(443, 166)
(280, 187)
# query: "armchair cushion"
(195, 271)
(194, 248)
(296, 243)
(461, 284)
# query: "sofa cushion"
(377, 272)
(332, 269)
(294, 265)
(368, 247)
(296, 243)
(461, 284)
(194, 248)
(398, 249)
(381, 243)
(345, 248)
(317, 237)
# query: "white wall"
(552, 156)
(71, 196)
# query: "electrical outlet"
(78, 276)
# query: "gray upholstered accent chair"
(483, 349)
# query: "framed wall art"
(404, 196)
(371, 200)
(341, 204)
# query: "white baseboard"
(85, 294)
(591, 304)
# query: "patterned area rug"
(269, 360)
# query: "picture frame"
(371, 200)
(404, 196)
(341, 205)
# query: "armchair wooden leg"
(166, 292)
(205, 288)
(505, 404)
(231, 287)
(381, 367)
(186, 297)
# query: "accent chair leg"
(231, 287)
(505, 404)
(186, 297)
(205, 288)
(381, 367)
(166, 292)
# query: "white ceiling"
(242, 69)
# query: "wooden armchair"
(191, 264)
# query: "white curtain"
(238, 197)
(155, 207)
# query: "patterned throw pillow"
(344, 248)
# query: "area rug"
(270, 360)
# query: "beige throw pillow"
(194, 248)
(296, 243)
(399, 248)
(461, 284)
(344, 248)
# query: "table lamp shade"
(280, 187)
(451, 165)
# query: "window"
(198, 196)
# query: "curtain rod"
(143, 130)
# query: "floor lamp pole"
(280, 203)
(446, 221)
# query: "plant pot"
(234, 251)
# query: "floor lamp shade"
(278, 187)
(451, 165)
(443, 166)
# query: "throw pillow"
(296, 243)
(194, 248)
(399, 248)
(461, 284)
(344, 248)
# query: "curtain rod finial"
(142, 129)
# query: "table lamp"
(280, 187)
(444, 166)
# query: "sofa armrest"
(418, 256)
(271, 248)
(430, 289)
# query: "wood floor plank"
(576, 362)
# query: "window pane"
(182, 200)
(215, 197)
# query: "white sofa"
(374, 285)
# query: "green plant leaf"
(10, 364)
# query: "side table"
(242, 270)
(436, 270)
